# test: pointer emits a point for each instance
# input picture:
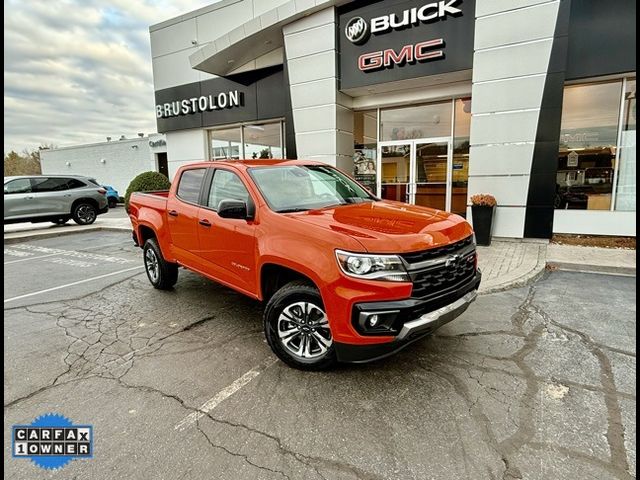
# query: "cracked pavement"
(532, 383)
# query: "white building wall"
(174, 40)
(512, 48)
(123, 160)
(186, 146)
(322, 118)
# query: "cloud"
(78, 71)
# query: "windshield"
(295, 188)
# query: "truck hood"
(390, 227)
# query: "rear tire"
(163, 275)
(112, 203)
(84, 213)
(297, 328)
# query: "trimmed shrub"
(146, 182)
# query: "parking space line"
(222, 395)
(73, 284)
(63, 252)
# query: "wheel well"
(145, 234)
(273, 277)
(84, 200)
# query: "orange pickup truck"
(345, 276)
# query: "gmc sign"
(420, 52)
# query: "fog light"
(373, 320)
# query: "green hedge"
(146, 182)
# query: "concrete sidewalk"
(509, 263)
(115, 219)
(591, 259)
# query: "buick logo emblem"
(357, 30)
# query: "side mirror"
(233, 209)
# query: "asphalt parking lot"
(533, 383)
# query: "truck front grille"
(450, 269)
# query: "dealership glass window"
(225, 144)
(251, 141)
(423, 121)
(626, 185)
(460, 164)
(365, 126)
(596, 146)
(263, 141)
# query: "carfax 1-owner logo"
(51, 441)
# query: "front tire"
(84, 213)
(163, 275)
(297, 327)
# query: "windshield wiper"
(290, 210)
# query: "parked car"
(53, 198)
(112, 196)
(345, 276)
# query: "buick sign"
(357, 30)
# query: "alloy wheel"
(303, 329)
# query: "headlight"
(372, 267)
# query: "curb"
(591, 268)
(17, 237)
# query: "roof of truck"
(265, 162)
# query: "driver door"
(227, 245)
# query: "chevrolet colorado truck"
(344, 275)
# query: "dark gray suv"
(53, 198)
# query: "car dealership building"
(425, 101)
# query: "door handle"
(173, 213)
(205, 223)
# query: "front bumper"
(415, 322)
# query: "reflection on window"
(262, 141)
(626, 188)
(424, 121)
(225, 144)
(365, 136)
(588, 138)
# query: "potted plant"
(483, 206)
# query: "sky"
(77, 71)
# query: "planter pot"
(482, 223)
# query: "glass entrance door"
(395, 176)
(416, 171)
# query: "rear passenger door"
(182, 217)
(227, 245)
(51, 196)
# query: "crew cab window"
(226, 185)
(21, 185)
(51, 184)
(190, 184)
